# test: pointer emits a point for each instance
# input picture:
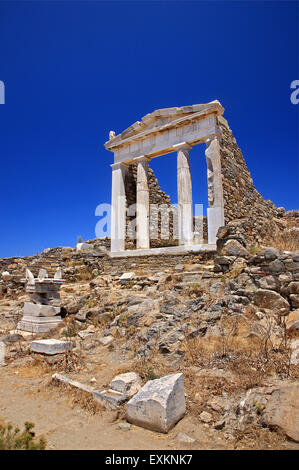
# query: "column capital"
(141, 158)
(213, 137)
(182, 146)
(117, 165)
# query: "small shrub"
(79, 239)
(71, 330)
(12, 438)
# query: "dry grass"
(77, 398)
(37, 368)
(255, 437)
(288, 240)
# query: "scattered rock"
(126, 277)
(11, 338)
(184, 438)
(271, 254)
(105, 340)
(85, 333)
(206, 417)
(282, 411)
(128, 383)
(219, 424)
(124, 426)
(159, 405)
(6, 276)
(292, 320)
(234, 248)
(271, 300)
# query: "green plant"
(71, 330)
(123, 319)
(12, 438)
(149, 374)
(79, 239)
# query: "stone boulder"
(6, 276)
(234, 248)
(292, 320)
(159, 405)
(126, 277)
(271, 300)
(282, 411)
(271, 253)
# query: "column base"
(215, 220)
(38, 324)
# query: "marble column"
(142, 204)
(185, 209)
(215, 211)
(118, 207)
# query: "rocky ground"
(229, 323)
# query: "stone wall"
(156, 196)
(242, 202)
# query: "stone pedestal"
(118, 208)
(185, 209)
(142, 204)
(215, 211)
(41, 314)
(38, 324)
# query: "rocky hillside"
(228, 320)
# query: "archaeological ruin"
(41, 314)
(231, 193)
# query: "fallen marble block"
(73, 383)
(51, 346)
(159, 405)
(110, 398)
(128, 383)
(126, 277)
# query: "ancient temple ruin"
(41, 314)
(231, 193)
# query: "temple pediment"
(162, 119)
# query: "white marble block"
(51, 346)
(159, 405)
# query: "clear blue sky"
(75, 70)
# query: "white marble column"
(142, 203)
(215, 211)
(185, 209)
(118, 208)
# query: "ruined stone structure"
(159, 133)
(231, 193)
(41, 314)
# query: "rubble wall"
(242, 201)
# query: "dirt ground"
(26, 396)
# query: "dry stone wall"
(156, 197)
(242, 202)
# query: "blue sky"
(74, 70)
